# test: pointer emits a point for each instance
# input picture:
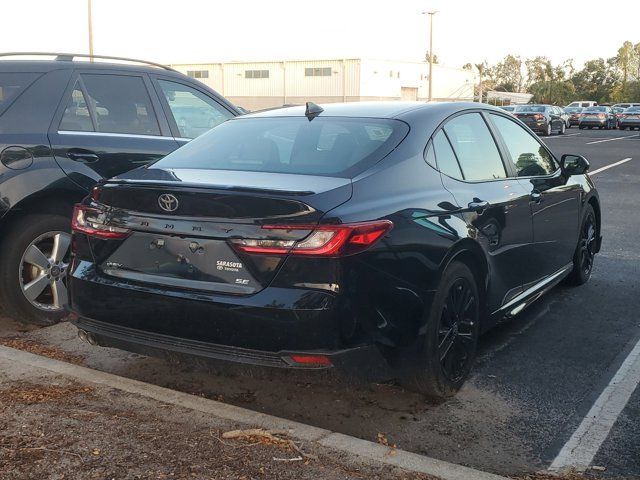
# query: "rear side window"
(193, 111)
(76, 115)
(475, 148)
(447, 162)
(527, 154)
(13, 83)
(329, 146)
(121, 104)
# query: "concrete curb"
(365, 451)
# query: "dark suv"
(64, 125)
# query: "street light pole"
(90, 20)
(431, 14)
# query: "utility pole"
(90, 20)
(431, 14)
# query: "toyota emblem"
(168, 202)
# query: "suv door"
(554, 199)
(496, 206)
(190, 111)
(109, 122)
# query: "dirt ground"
(53, 428)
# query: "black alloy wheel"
(584, 256)
(456, 334)
(439, 363)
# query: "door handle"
(84, 156)
(536, 196)
(478, 206)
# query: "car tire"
(585, 250)
(622, 128)
(563, 128)
(580, 127)
(547, 131)
(28, 255)
(442, 358)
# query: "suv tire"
(34, 257)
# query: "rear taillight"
(91, 221)
(538, 116)
(601, 115)
(324, 240)
(311, 360)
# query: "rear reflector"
(91, 220)
(319, 360)
(324, 240)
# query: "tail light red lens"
(538, 116)
(323, 240)
(601, 115)
(312, 360)
(91, 221)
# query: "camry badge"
(168, 202)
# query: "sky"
(193, 31)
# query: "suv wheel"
(444, 355)
(34, 258)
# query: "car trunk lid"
(183, 224)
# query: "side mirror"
(574, 164)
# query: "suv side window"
(76, 116)
(194, 112)
(475, 148)
(121, 104)
(527, 154)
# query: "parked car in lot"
(360, 235)
(509, 108)
(583, 104)
(574, 114)
(64, 125)
(630, 119)
(624, 106)
(543, 119)
(565, 116)
(600, 117)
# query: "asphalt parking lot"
(536, 379)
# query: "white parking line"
(610, 139)
(585, 442)
(602, 169)
(565, 135)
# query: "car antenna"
(313, 110)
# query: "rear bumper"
(365, 360)
(593, 123)
(629, 123)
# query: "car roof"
(386, 109)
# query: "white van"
(582, 103)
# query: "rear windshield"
(633, 109)
(573, 109)
(329, 146)
(527, 108)
(12, 83)
(595, 109)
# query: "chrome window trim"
(107, 134)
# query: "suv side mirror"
(574, 164)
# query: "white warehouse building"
(257, 85)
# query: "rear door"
(109, 122)
(554, 199)
(495, 205)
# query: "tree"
(508, 74)
(596, 80)
(435, 58)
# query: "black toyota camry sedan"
(380, 236)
